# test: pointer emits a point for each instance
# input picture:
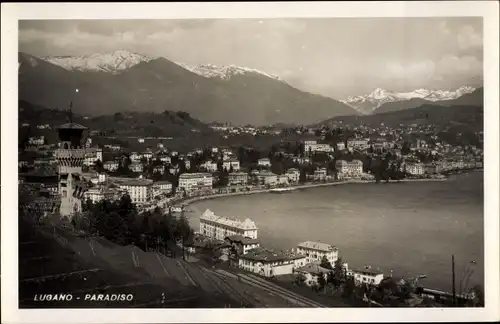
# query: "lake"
(412, 228)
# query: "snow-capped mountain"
(113, 62)
(224, 72)
(368, 103)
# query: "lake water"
(412, 228)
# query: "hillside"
(166, 124)
(470, 117)
(159, 84)
(469, 99)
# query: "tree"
(339, 274)
(321, 281)
(99, 167)
(302, 176)
(325, 263)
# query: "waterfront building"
(191, 182)
(70, 156)
(315, 251)
(312, 272)
(231, 164)
(139, 190)
(161, 187)
(264, 162)
(415, 168)
(320, 174)
(282, 180)
(353, 169)
(111, 165)
(238, 179)
(219, 228)
(366, 276)
(269, 263)
(267, 178)
(242, 244)
(293, 175)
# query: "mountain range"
(122, 81)
(375, 101)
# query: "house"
(242, 244)
(159, 169)
(161, 187)
(282, 180)
(135, 157)
(353, 169)
(265, 162)
(191, 182)
(268, 263)
(238, 179)
(209, 166)
(92, 155)
(320, 174)
(314, 146)
(96, 194)
(136, 167)
(267, 178)
(36, 140)
(315, 251)
(139, 190)
(311, 273)
(219, 228)
(366, 276)
(231, 164)
(111, 166)
(293, 175)
(358, 143)
(415, 168)
(340, 146)
(165, 158)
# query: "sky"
(335, 57)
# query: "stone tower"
(70, 156)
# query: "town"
(74, 177)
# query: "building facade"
(345, 169)
(192, 182)
(269, 263)
(219, 228)
(139, 190)
(315, 251)
(238, 179)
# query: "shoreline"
(192, 200)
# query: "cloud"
(418, 70)
(452, 65)
(469, 38)
(443, 27)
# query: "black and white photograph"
(263, 162)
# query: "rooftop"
(71, 126)
(265, 255)
(317, 246)
(136, 182)
(194, 175)
(245, 225)
(313, 269)
(368, 272)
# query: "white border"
(11, 13)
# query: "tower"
(70, 156)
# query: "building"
(139, 190)
(159, 169)
(161, 187)
(97, 194)
(293, 175)
(111, 166)
(242, 244)
(267, 178)
(165, 158)
(36, 140)
(210, 166)
(415, 168)
(358, 143)
(313, 146)
(340, 146)
(238, 179)
(311, 273)
(70, 156)
(353, 169)
(367, 276)
(231, 164)
(192, 182)
(92, 155)
(265, 162)
(315, 251)
(320, 174)
(219, 228)
(136, 167)
(268, 263)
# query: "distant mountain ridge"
(370, 103)
(123, 81)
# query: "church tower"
(70, 156)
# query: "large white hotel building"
(219, 228)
